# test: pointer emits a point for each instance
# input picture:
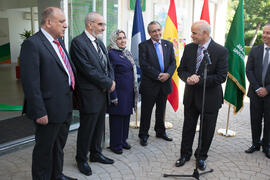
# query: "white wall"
(17, 25)
(4, 32)
(184, 10)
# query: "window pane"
(78, 11)
(112, 17)
(99, 6)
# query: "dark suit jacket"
(254, 70)
(44, 80)
(216, 75)
(124, 78)
(92, 80)
(150, 67)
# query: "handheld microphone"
(206, 55)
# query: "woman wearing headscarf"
(124, 97)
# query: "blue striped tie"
(199, 57)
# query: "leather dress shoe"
(181, 161)
(84, 168)
(267, 152)
(120, 151)
(101, 159)
(126, 146)
(201, 164)
(164, 136)
(64, 177)
(252, 149)
(143, 141)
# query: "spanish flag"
(171, 34)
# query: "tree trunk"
(255, 35)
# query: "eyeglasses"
(99, 24)
(155, 31)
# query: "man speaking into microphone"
(191, 71)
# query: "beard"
(98, 36)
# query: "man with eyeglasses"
(95, 81)
(157, 63)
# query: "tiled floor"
(10, 90)
(226, 155)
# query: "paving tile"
(226, 155)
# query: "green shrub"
(247, 49)
(249, 35)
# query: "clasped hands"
(261, 92)
(194, 79)
(163, 77)
(112, 87)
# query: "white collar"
(90, 36)
(47, 35)
(205, 45)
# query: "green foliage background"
(255, 12)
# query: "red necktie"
(64, 57)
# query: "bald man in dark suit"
(48, 79)
(95, 81)
(258, 74)
(191, 72)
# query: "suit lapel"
(165, 51)
(194, 57)
(49, 47)
(154, 53)
(67, 54)
(105, 52)
(210, 50)
(260, 62)
(92, 50)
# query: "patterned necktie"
(199, 57)
(101, 56)
(160, 59)
(265, 64)
(65, 59)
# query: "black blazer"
(44, 80)
(216, 75)
(254, 70)
(92, 81)
(150, 67)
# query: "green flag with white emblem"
(236, 83)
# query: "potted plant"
(26, 34)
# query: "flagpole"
(204, 16)
(168, 125)
(138, 36)
(228, 118)
(135, 124)
(136, 120)
(226, 132)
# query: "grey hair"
(204, 26)
(152, 23)
(90, 17)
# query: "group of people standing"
(105, 80)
